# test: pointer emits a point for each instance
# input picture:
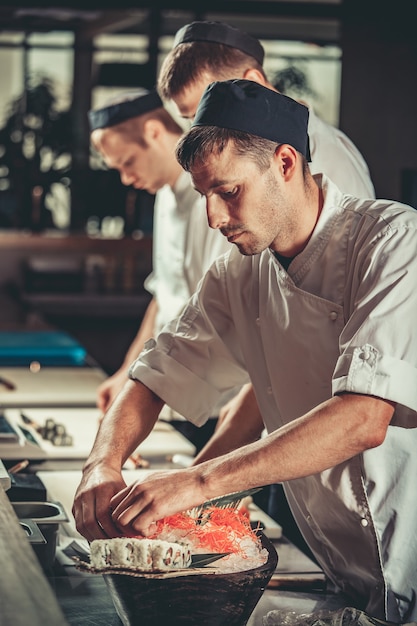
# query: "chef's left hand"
(139, 506)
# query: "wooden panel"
(25, 594)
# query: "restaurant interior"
(76, 247)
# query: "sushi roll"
(140, 554)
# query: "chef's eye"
(230, 193)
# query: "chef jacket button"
(258, 321)
(269, 390)
(365, 354)
(364, 522)
(333, 316)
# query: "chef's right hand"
(91, 507)
(108, 390)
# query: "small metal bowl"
(46, 516)
(32, 532)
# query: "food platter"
(190, 598)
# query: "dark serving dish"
(195, 600)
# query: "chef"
(135, 135)
(206, 51)
(316, 302)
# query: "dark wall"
(379, 88)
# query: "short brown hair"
(201, 141)
(187, 62)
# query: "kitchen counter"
(84, 598)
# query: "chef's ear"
(286, 158)
(151, 129)
(255, 75)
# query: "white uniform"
(183, 247)
(342, 319)
(333, 153)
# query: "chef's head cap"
(134, 104)
(218, 32)
(252, 108)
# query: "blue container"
(53, 348)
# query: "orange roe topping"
(216, 530)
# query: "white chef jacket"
(333, 153)
(341, 319)
(183, 247)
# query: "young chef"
(136, 135)
(206, 51)
(330, 345)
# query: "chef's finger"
(130, 507)
(142, 527)
(85, 521)
(118, 497)
(106, 525)
(143, 524)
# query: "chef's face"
(141, 166)
(188, 98)
(250, 207)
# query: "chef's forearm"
(126, 424)
(232, 433)
(335, 431)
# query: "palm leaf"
(230, 500)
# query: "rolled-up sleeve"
(378, 353)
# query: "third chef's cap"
(252, 108)
(219, 32)
(129, 105)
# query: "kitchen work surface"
(49, 386)
(80, 425)
(85, 597)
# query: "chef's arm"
(240, 423)
(109, 389)
(127, 423)
(329, 434)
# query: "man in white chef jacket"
(329, 343)
(205, 51)
(136, 136)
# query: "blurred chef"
(137, 136)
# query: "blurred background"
(75, 245)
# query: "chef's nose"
(126, 178)
(217, 214)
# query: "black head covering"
(124, 110)
(219, 32)
(252, 108)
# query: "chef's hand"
(137, 507)
(91, 507)
(109, 389)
